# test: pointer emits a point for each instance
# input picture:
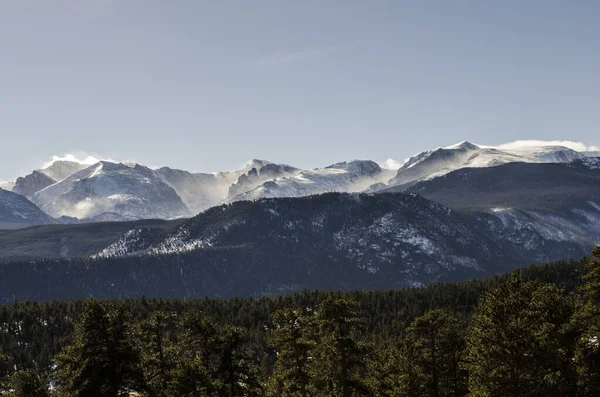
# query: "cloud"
(391, 164)
(578, 146)
(71, 157)
(290, 57)
(81, 158)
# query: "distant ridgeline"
(276, 246)
(533, 332)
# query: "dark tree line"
(535, 332)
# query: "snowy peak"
(464, 145)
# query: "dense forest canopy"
(532, 332)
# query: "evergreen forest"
(533, 332)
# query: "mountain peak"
(464, 145)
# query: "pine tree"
(514, 343)
(199, 356)
(157, 353)
(190, 378)
(587, 319)
(28, 383)
(437, 354)
(100, 362)
(387, 373)
(238, 373)
(294, 344)
(340, 357)
(217, 357)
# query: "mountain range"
(110, 191)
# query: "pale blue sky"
(207, 85)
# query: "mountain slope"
(17, 212)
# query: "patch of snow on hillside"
(412, 237)
(181, 242)
(123, 246)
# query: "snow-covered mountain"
(437, 162)
(110, 191)
(17, 212)
(347, 176)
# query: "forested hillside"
(533, 332)
(275, 246)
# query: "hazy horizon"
(206, 86)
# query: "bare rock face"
(32, 183)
